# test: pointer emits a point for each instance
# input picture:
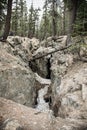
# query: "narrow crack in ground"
(43, 100)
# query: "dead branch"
(59, 49)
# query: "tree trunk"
(8, 19)
(16, 18)
(64, 19)
(45, 25)
(45, 20)
(21, 20)
(0, 18)
(72, 18)
(54, 18)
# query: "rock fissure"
(55, 86)
(48, 69)
(39, 102)
(36, 68)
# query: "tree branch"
(59, 49)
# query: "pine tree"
(2, 14)
(64, 18)
(53, 11)
(8, 19)
(45, 17)
(77, 17)
(36, 22)
(33, 21)
(25, 19)
(15, 16)
(19, 18)
(54, 16)
(45, 23)
(30, 30)
(72, 17)
(80, 26)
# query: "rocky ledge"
(18, 117)
(34, 73)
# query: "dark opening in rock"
(48, 69)
(33, 66)
(48, 99)
(35, 100)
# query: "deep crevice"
(48, 99)
(34, 67)
(48, 69)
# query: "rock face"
(69, 83)
(11, 124)
(68, 80)
(72, 91)
(43, 64)
(16, 78)
(18, 116)
(20, 47)
(60, 63)
(64, 84)
(16, 81)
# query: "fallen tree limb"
(46, 54)
(10, 44)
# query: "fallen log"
(46, 54)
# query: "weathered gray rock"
(31, 119)
(85, 39)
(68, 84)
(20, 47)
(35, 44)
(72, 90)
(16, 81)
(60, 63)
(42, 50)
(80, 48)
(41, 87)
(59, 41)
(11, 124)
(41, 81)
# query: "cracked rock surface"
(21, 88)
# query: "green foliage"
(80, 26)
(2, 4)
(80, 22)
(78, 45)
(52, 19)
(68, 3)
(45, 27)
(19, 22)
(27, 23)
(33, 22)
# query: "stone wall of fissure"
(56, 82)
